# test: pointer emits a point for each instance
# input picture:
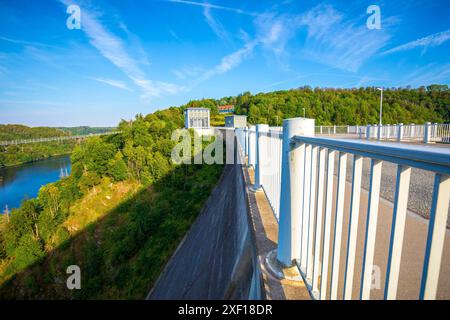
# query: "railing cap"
(424, 157)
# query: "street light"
(381, 104)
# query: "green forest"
(24, 153)
(119, 216)
(14, 155)
(345, 106)
(16, 132)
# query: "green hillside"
(16, 132)
(119, 216)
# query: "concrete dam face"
(217, 258)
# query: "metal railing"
(270, 142)
(428, 132)
(271, 168)
(406, 157)
(307, 207)
(333, 130)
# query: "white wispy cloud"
(213, 6)
(215, 25)
(428, 74)
(114, 83)
(274, 31)
(187, 72)
(114, 49)
(24, 42)
(230, 61)
(338, 42)
(433, 40)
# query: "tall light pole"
(381, 104)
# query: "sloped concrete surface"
(216, 259)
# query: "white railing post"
(400, 132)
(260, 128)
(397, 232)
(348, 129)
(292, 166)
(246, 141)
(413, 131)
(436, 237)
(334, 129)
(426, 132)
(368, 132)
(320, 129)
(388, 131)
(251, 146)
(380, 127)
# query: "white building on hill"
(196, 118)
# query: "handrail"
(430, 158)
(306, 205)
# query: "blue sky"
(138, 56)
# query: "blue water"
(24, 182)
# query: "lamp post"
(381, 104)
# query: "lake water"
(17, 183)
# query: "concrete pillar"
(260, 152)
(400, 132)
(368, 132)
(291, 202)
(251, 146)
(435, 128)
(427, 132)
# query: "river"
(24, 181)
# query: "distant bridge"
(61, 138)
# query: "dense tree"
(348, 106)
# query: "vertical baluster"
(352, 233)
(305, 215)
(312, 213)
(319, 214)
(436, 236)
(327, 227)
(342, 171)
(371, 227)
(397, 231)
